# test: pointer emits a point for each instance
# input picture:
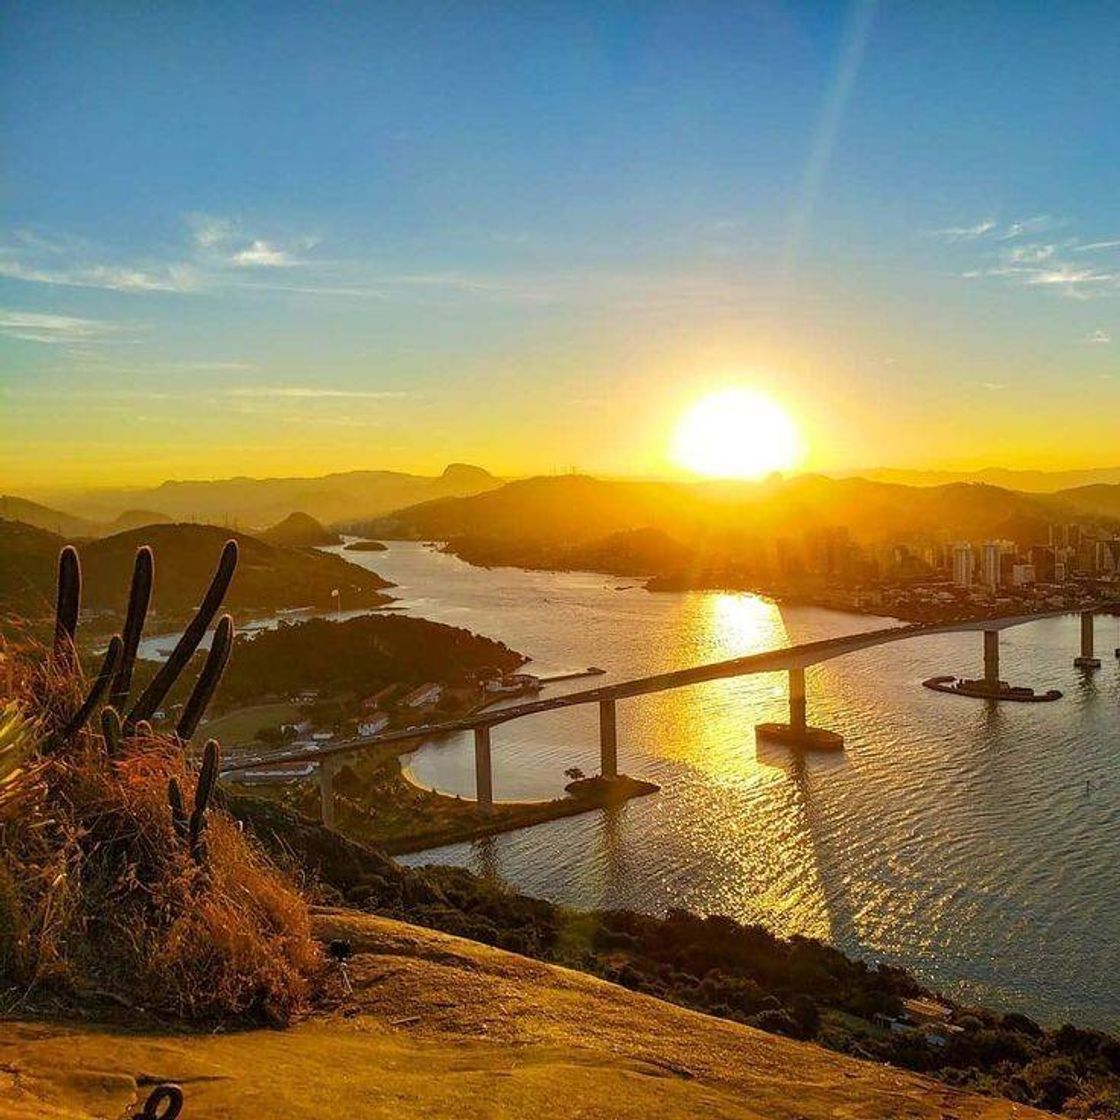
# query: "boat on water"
(982, 690)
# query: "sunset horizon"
(501, 264)
(560, 558)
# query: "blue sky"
(276, 238)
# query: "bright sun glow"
(736, 433)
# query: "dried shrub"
(102, 895)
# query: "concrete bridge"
(791, 659)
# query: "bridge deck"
(790, 657)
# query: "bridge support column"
(991, 659)
(797, 707)
(326, 791)
(1088, 658)
(483, 774)
(608, 739)
(798, 733)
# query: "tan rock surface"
(445, 1028)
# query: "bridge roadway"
(793, 658)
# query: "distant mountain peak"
(300, 530)
(463, 472)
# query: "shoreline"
(393, 811)
(822, 599)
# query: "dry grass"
(99, 894)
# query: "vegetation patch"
(119, 878)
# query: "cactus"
(96, 692)
(190, 830)
(207, 780)
(115, 675)
(178, 812)
(67, 606)
(139, 596)
(208, 679)
(153, 695)
(111, 731)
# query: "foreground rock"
(438, 1027)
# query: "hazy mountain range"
(250, 503)
(558, 521)
(1037, 482)
(557, 515)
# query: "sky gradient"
(286, 239)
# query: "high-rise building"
(990, 558)
(1065, 536)
(1043, 561)
(963, 564)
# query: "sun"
(736, 433)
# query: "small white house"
(374, 725)
(423, 696)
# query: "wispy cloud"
(1031, 254)
(309, 392)
(209, 231)
(260, 254)
(966, 233)
(1100, 337)
(216, 250)
(224, 242)
(1095, 246)
(1026, 226)
(171, 278)
(1003, 253)
(57, 330)
(992, 386)
(1076, 281)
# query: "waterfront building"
(1043, 560)
(963, 564)
(992, 552)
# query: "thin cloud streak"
(55, 330)
(1038, 264)
(307, 392)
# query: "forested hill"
(562, 512)
(300, 530)
(268, 577)
(360, 655)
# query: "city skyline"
(268, 242)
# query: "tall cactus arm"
(67, 605)
(139, 596)
(208, 679)
(178, 811)
(207, 779)
(111, 731)
(97, 690)
(161, 683)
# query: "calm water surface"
(976, 844)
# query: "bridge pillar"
(797, 706)
(798, 733)
(608, 739)
(1088, 659)
(326, 791)
(483, 774)
(991, 659)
